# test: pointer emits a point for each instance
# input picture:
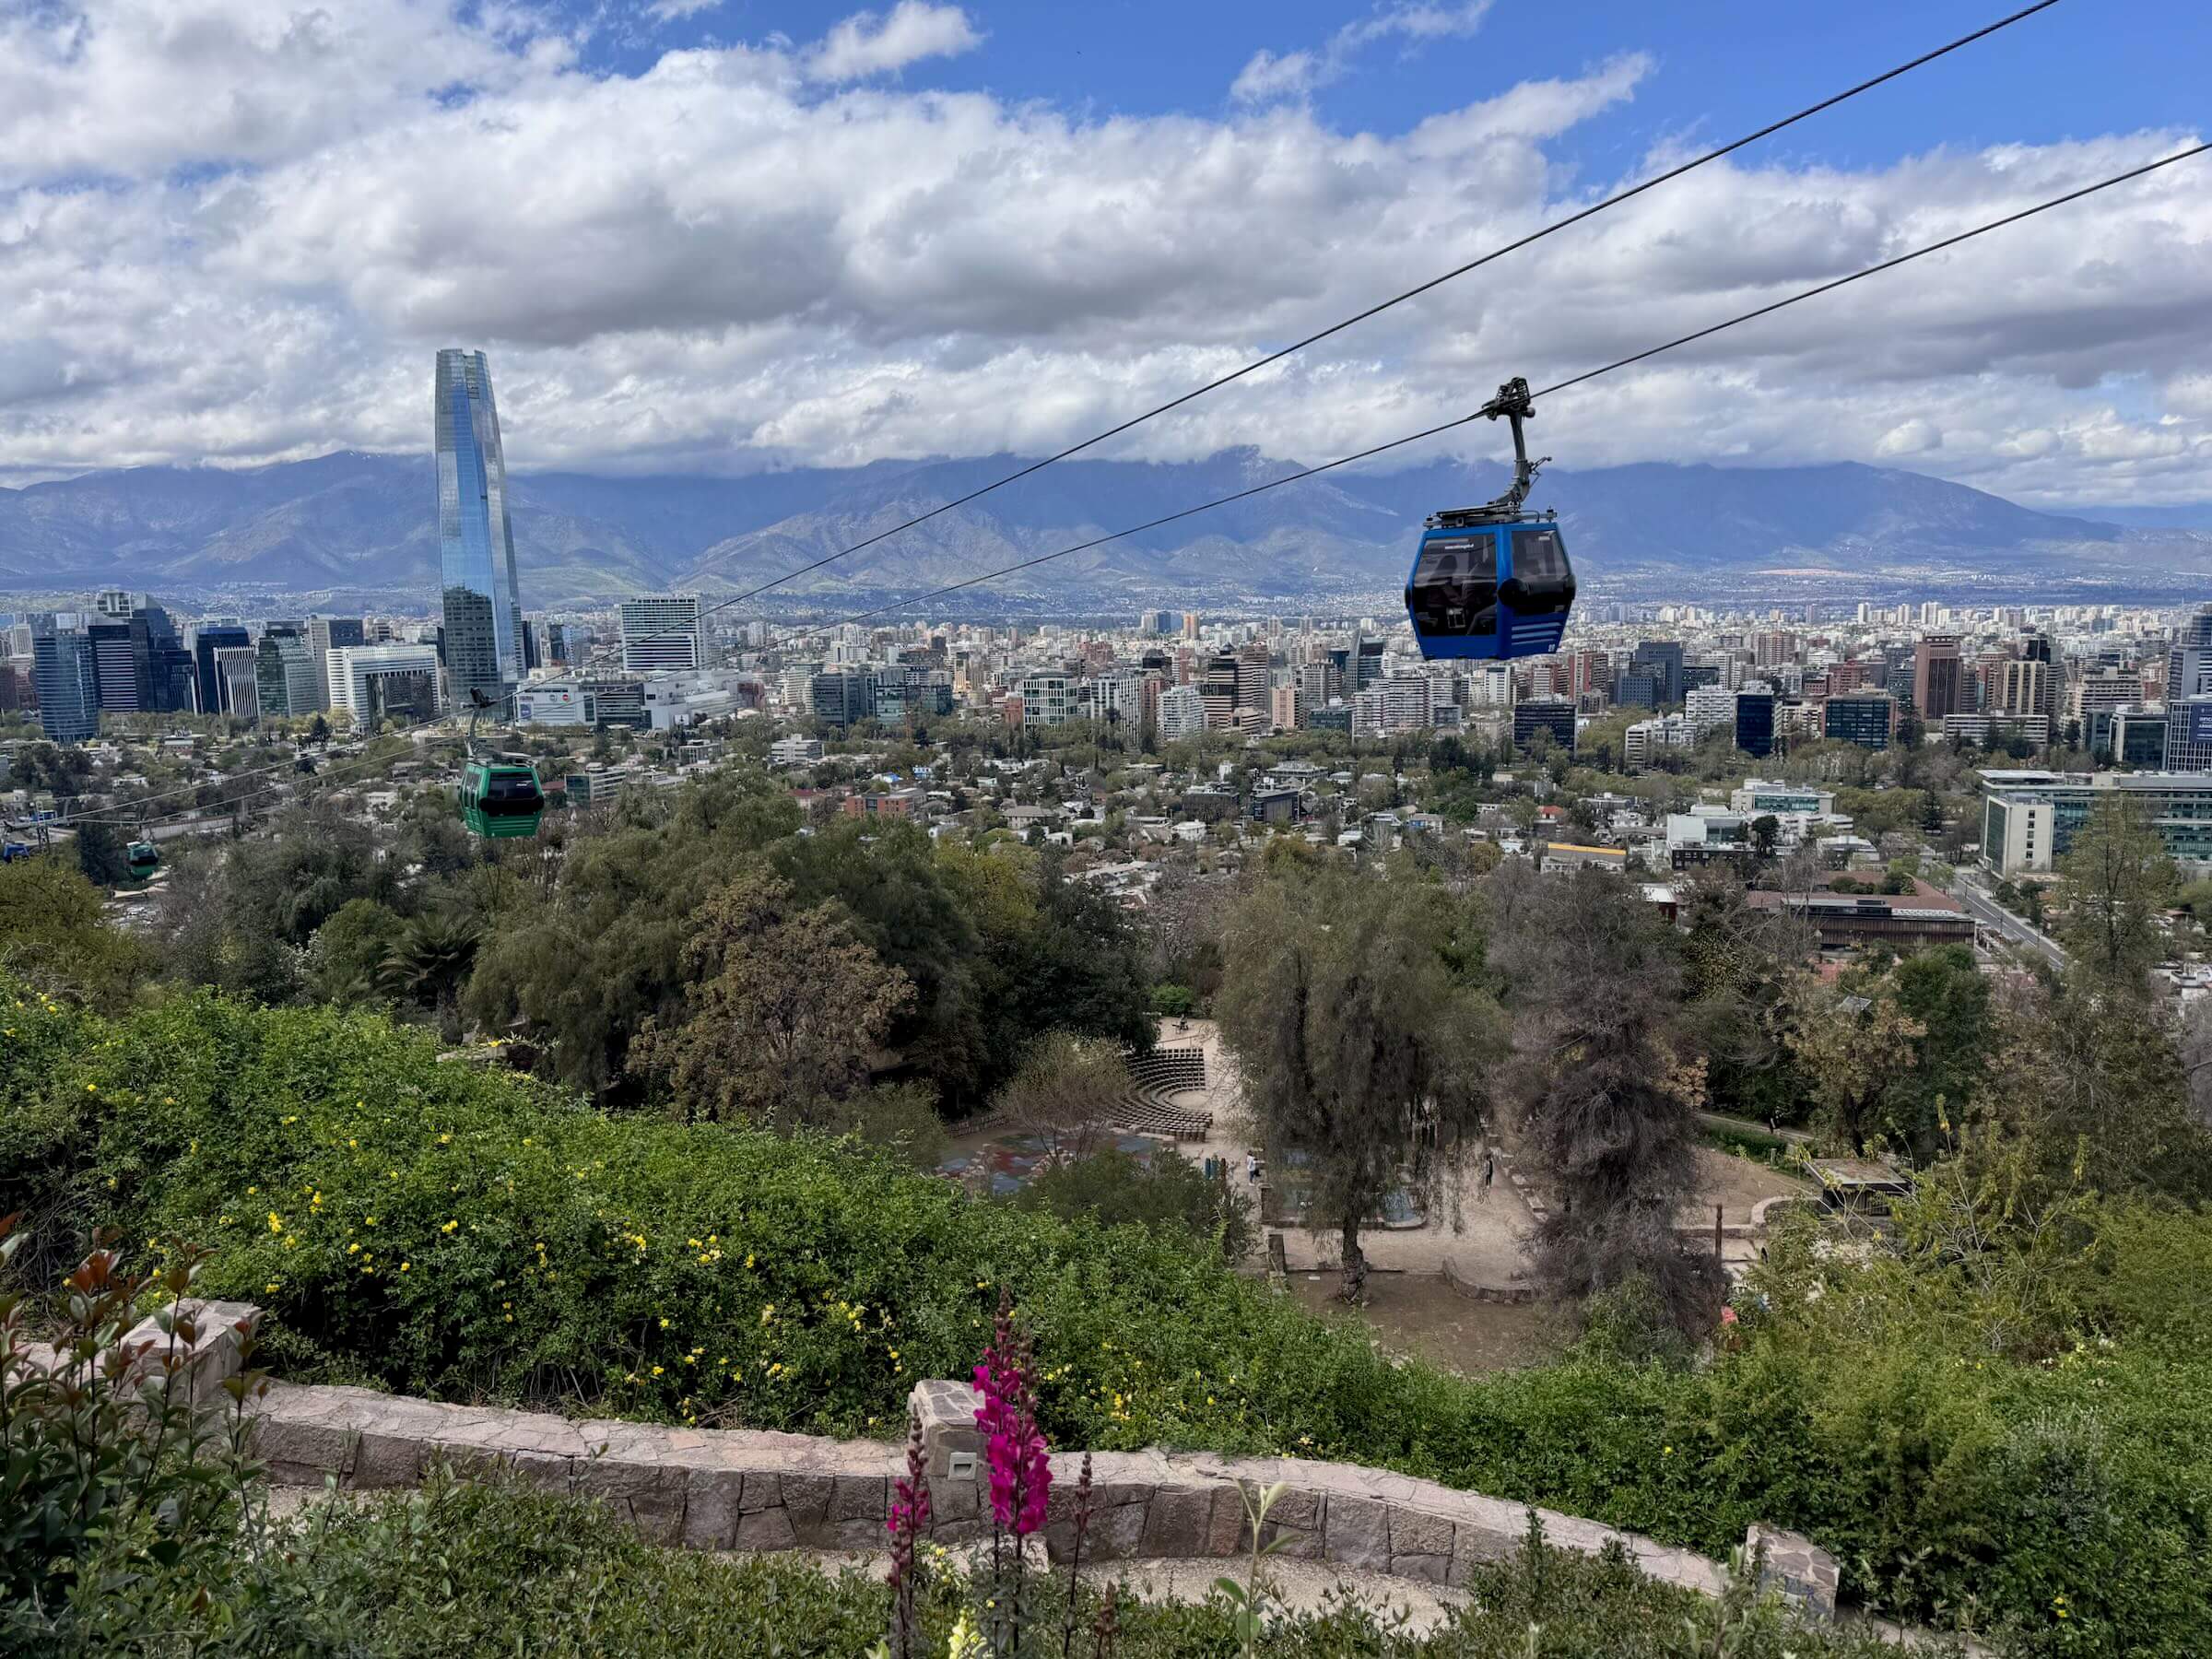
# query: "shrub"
(468, 1233)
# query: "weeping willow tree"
(1354, 1010)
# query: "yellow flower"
(353, 1142)
(353, 1250)
(656, 1371)
(269, 1288)
(91, 1088)
(663, 1322)
(405, 1265)
(445, 1140)
(276, 1222)
(450, 1225)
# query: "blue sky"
(700, 237)
(1722, 66)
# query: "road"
(2014, 930)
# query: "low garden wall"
(752, 1489)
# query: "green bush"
(464, 1569)
(463, 1232)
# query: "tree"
(54, 930)
(1849, 1046)
(1362, 1051)
(1606, 1082)
(2117, 880)
(1115, 1189)
(1064, 1091)
(102, 853)
(784, 1013)
(1766, 830)
(428, 960)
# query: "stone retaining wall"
(1475, 1290)
(753, 1489)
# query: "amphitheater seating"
(1147, 1108)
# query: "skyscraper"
(68, 688)
(207, 640)
(475, 538)
(1938, 674)
(663, 635)
(1662, 659)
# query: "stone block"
(763, 1491)
(1356, 1533)
(1226, 1527)
(1117, 1534)
(649, 1496)
(861, 1498)
(806, 1501)
(1797, 1567)
(712, 1508)
(766, 1529)
(382, 1458)
(1177, 1523)
(1414, 1533)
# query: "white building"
(1708, 707)
(365, 680)
(555, 702)
(663, 635)
(1182, 712)
(794, 751)
(1047, 700)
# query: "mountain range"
(353, 530)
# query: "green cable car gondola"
(143, 858)
(499, 795)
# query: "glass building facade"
(61, 665)
(483, 634)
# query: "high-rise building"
(1182, 712)
(1755, 722)
(1254, 676)
(1218, 687)
(1938, 676)
(1552, 716)
(326, 634)
(1662, 659)
(2189, 664)
(361, 680)
(122, 667)
(1865, 718)
(2024, 688)
(238, 682)
(284, 672)
(1366, 665)
(62, 666)
(1048, 700)
(483, 631)
(207, 640)
(663, 635)
(841, 698)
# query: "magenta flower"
(1022, 1468)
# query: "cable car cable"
(1576, 380)
(1499, 252)
(1412, 293)
(1427, 432)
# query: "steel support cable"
(1376, 310)
(1427, 432)
(1296, 345)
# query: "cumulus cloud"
(1267, 74)
(720, 262)
(865, 44)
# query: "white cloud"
(865, 44)
(1267, 75)
(676, 11)
(718, 263)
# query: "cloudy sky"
(714, 235)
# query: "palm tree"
(430, 959)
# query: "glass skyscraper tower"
(476, 541)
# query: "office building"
(1938, 676)
(1865, 718)
(1636, 688)
(483, 613)
(2127, 736)
(62, 667)
(2030, 819)
(207, 640)
(1553, 716)
(2189, 732)
(121, 667)
(326, 634)
(841, 698)
(284, 674)
(1218, 687)
(555, 702)
(1661, 659)
(663, 635)
(377, 682)
(237, 678)
(1367, 663)
(1755, 722)
(2022, 687)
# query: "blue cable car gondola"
(1493, 581)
